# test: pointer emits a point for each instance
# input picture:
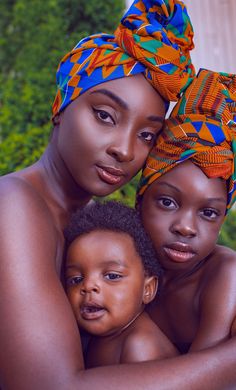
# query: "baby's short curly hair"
(117, 217)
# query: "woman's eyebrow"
(112, 96)
(123, 104)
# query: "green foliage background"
(34, 36)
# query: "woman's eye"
(148, 137)
(74, 280)
(113, 276)
(103, 116)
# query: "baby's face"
(105, 281)
(183, 211)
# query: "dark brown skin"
(108, 289)
(139, 342)
(183, 212)
(40, 343)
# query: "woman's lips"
(110, 175)
(179, 252)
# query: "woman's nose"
(122, 149)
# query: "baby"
(187, 187)
(111, 275)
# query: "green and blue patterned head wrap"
(153, 38)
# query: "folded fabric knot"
(154, 38)
(202, 128)
(159, 34)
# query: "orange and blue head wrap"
(153, 38)
(202, 128)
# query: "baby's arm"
(146, 342)
(217, 305)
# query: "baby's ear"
(150, 289)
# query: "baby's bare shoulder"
(146, 341)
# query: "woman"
(101, 137)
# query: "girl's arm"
(217, 302)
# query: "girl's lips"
(110, 175)
(178, 256)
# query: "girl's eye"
(210, 214)
(113, 276)
(167, 203)
(148, 137)
(103, 116)
(74, 280)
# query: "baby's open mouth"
(92, 311)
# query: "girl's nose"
(185, 226)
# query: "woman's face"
(104, 135)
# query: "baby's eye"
(113, 276)
(74, 280)
(103, 116)
(148, 136)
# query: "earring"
(56, 120)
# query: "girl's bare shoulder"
(224, 256)
(221, 265)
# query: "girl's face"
(103, 137)
(106, 282)
(183, 212)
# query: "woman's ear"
(56, 120)
(150, 289)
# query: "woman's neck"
(60, 181)
(54, 183)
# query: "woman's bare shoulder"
(19, 194)
(26, 221)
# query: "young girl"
(187, 187)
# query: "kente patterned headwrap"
(153, 38)
(202, 128)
